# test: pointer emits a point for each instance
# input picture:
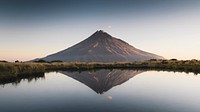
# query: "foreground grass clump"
(10, 70)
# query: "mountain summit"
(101, 47)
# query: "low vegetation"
(10, 70)
(13, 70)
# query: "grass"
(13, 70)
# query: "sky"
(32, 29)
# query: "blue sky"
(35, 28)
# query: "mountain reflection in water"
(102, 80)
(150, 91)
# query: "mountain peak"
(100, 34)
(100, 31)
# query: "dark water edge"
(19, 78)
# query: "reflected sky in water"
(143, 91)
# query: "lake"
(103, 91)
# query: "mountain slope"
(101, 47)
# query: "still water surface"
(103, 91)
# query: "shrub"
(4, 61)
(41, 61)
(56, 61)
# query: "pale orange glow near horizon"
(168, 28)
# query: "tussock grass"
(10, 70)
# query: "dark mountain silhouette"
(101, 47)
(103, 80)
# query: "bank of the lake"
(12, 70)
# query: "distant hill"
(101, 47)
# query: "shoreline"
(9, 70)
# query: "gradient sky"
(35, 28)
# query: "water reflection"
(149, 91)
(17, 80)
(102, 80)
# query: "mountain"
(101, 47)
(103, 80)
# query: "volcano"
(101, 47)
